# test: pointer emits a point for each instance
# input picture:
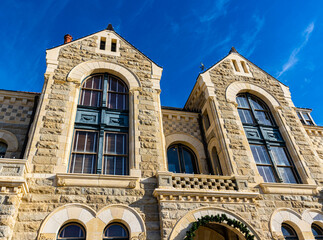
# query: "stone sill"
(294, 189)
(16, 161)
(96, 180)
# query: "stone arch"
(126, 215)
(193, 143)
(81, 71)
(313, 216)
(184, 224)
(10, 139)
(79, 213)
(236, 87)
(290, 217)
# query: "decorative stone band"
(96, 180)
(284, 188)
(314, 130)
(12, 175)
(202, 188)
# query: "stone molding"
(185, 223)
(236, 87)
(81, 71)
(285, 188)
(192, 142)
(300, 223)
(93, 221)
(10, 139)
(96, 180)
(12, 178)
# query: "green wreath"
(190, 234)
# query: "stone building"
(96, 156)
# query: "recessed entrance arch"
(216, 231)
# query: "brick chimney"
(68, 38)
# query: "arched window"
(100, 144)
(3, 149)
(317, 231)
(116, 231)
(267, 145)
(181, 159)
(216, 162)
(71, 231)
(288, 232)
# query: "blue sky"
(282, 37)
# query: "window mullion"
(105, 90)
(100, 151)
(181, 159)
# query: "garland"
(190, 234)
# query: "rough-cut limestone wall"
(9, 204)
(50, 144)
(222, 76)
(255, 214)
(15, 115)
(175, 125)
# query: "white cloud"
(218, 9)
(292, 60)
(249, 39)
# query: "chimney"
(68, 38)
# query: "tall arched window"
(100, 144)
(317, 231)
(181, 159)
(116, 231)
(216, 162)
(288, 232)
(267, 145)
(3, 149)
(71, 231)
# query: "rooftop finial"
(233, 50)
(110, 27)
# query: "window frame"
(180, 158)
(103, 123)
(268, 144)
(71, 238)
(318, 229)
(288, 227)
(116, 238)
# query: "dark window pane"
(216, 162)
(257, 105)
(173, 161)
(83, 163)
(85, 141)
(94, 82)
(3, 149)
(115, 230)
(263, 118)
(112, 84)
(242, 102)
(72, 231)
(116, 143)
(245, 116)
(188, 161)
(90, 98)
(317, 231)
(112, 100)
(287, 175)
(267, 173)
(288, 232)
(260, 154)
(280, 156)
